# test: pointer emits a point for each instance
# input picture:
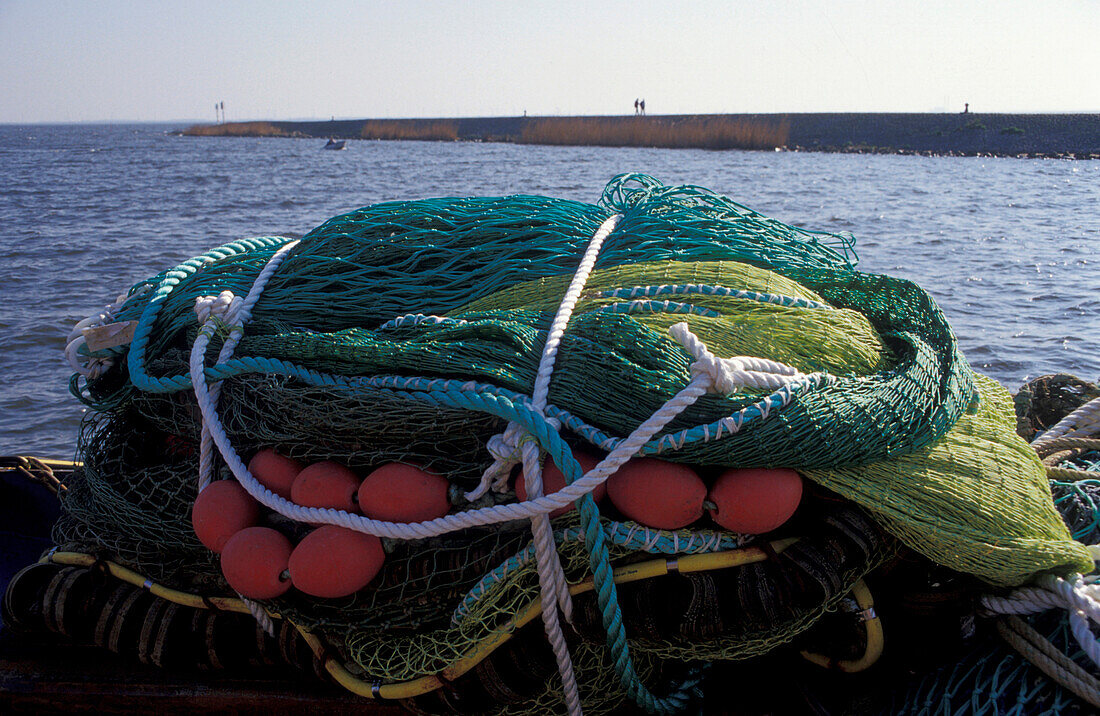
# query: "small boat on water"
(335, 144)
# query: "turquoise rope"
(708, 290)
(656, 307)
(135, 359)
(618, 533)
(599, 558)
(456, 395)
(599, 561)
(141, 379)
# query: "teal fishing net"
(412, 332)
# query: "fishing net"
(993, 679)
(977, 500)
(996, 677)
(412, 332)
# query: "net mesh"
(377, 311)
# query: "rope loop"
(1080, 599)
(225, 308)
(728, 375)
(507, 451)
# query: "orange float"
(333, 562)
(553, 480)
(326, 484)
(755, 500)
(254, 560)
(222, 510)
(274, 471)
(397, 492)
(655, 493)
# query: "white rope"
(728, 375)
(514, 446)
(1079, 599)
(552, 582)
(709, 373)
(1082, 422)
(235, 313)
(506, 451)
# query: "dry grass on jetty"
(689, 132)
(237, 129)
(429, 130)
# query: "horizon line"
(528, 116)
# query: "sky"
(70, 61)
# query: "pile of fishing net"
(1011, 674)
(416, 333)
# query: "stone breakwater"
(970, 134)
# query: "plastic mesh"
(976, 501)
(379, 312)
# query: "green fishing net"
(388, 331)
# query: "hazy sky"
(80, 61)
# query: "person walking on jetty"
(635, 105)
(642, 106)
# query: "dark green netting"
(339, 362)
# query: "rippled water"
(1008, 247)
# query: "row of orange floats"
(261, 562)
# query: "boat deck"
(44, 675)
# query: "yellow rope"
(407, 689)
(40, 470)
(79, 559)
(872, 651)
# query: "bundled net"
(412, 332)
(1011, 674)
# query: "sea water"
(1007, 247)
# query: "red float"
(655, 493)
(222, 510)
(335, 562)
(274, 471)
(397, 492)
(254, 560)
(755, 500)
(326, 484)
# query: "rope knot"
(729, 375)
(506, 446)
(507, 451)
(225, 307)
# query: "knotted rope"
(229, 310)
(710, 374)
(1082, 602)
